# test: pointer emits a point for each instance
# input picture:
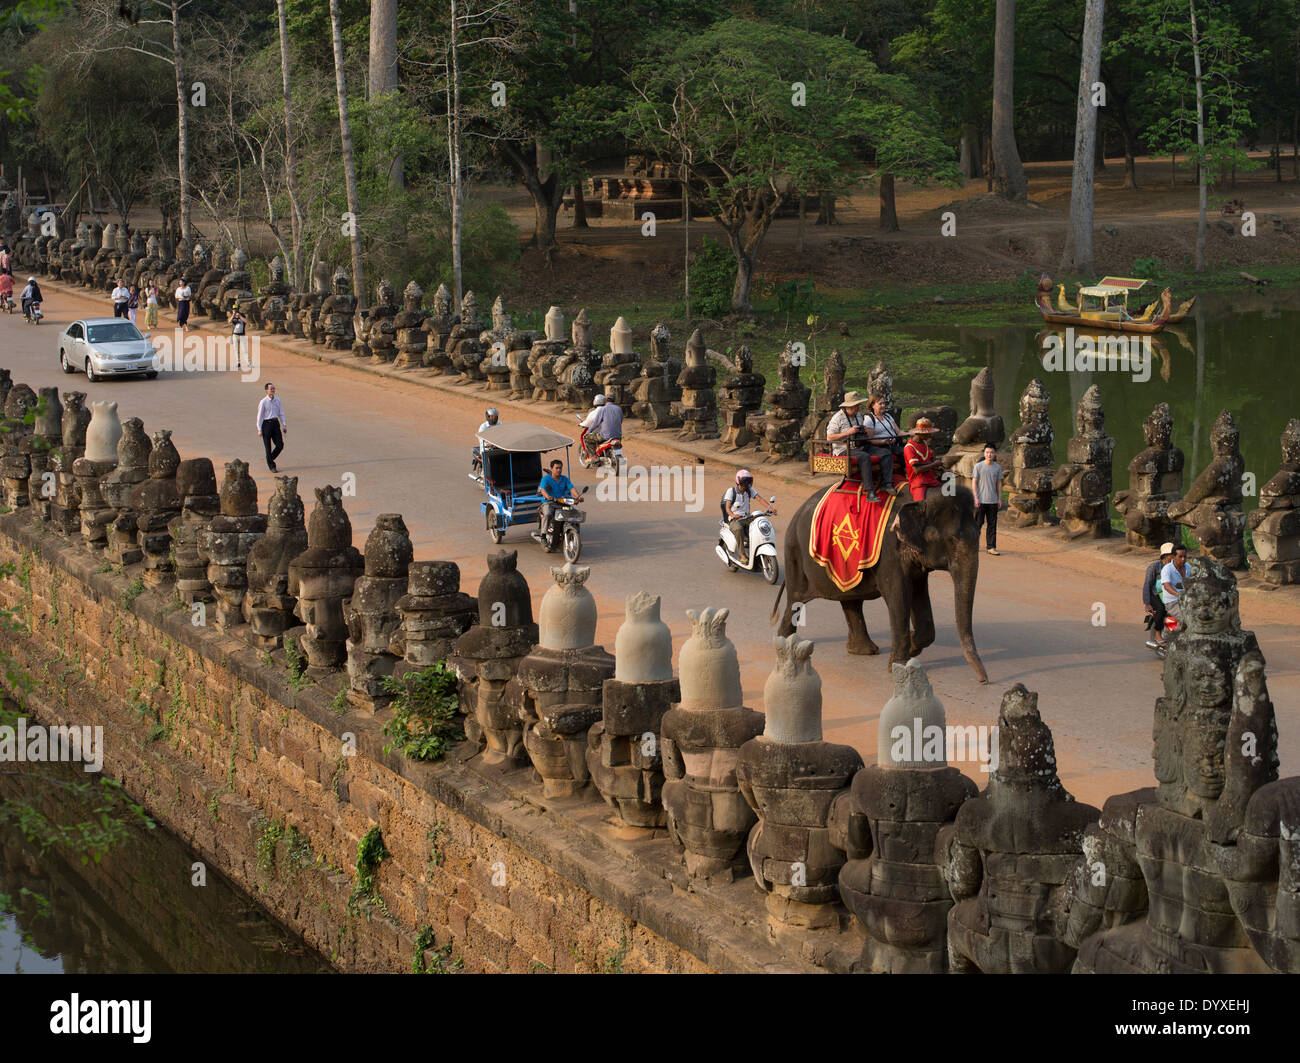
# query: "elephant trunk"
(964, 577)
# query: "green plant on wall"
(425, 713)
(371, 852)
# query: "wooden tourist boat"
(1105, 305)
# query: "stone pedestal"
(133, 451)
(268, 605)
(537, 380)
(226, 541)
(485, 659)
(623, 746)
(656, 390)
(1032, 464)
(740, 398)
(1012, 851)
(1083, 484)
(899, 893)
(701, 740)
(791, 779)
(556, 690)
(1276, 523)
(787, 411)
(322, 578)
(156, 502)
(197, 482)
(434, 615)
(698, 406)
(371, 612)
(619, 368)
(1155, 481)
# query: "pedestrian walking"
(238, 327)
(151, 305)
(988, 498)
(121, 296)
(132, 303)
(183, 297)
(270, 425)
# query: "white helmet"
(599, 400)
(744, 478)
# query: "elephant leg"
(859, 641)
(922, 620)
(898, 598)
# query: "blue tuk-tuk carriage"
(511, 472)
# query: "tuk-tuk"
(510, 476)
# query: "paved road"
(408, 446)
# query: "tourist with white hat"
(846, 434)
(1152, 601)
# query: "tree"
(349, 163)
(1199, 52)
(754, 112)
(1077, 255)
(1009, 174)
(295, 260)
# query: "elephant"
(937, 533)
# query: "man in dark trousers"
(270, 424)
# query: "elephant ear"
(911, 526)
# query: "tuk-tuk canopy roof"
(527, 438)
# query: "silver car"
(104, 347)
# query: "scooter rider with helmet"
(31, 296)
(737, 510)
(604, 421)
(491, 418)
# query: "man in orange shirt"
(920, 461)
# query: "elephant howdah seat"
(820, 462)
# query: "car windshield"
(116, 332)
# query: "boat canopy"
(519, 438)
(1101, 291)
(1131, 284)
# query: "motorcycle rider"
(492, 418)
(603, 422)
(31, 296)
(737, 508)
(554, 487)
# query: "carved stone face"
(1208, 605)
(240, 259)
(1225, 436)
(1291, 443)
(412, 297)
(1158, 428)
(387, 293)
(341, 282)
(981, 394)
(277, 270)
(200, 255)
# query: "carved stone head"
(1224, 436)
(1158, 428)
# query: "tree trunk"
(888, 211)
(825, 209)
(744, 277)
(295, 263)
(1130, 152)
(579, 206)
(803, 202)
(453, 152)
(349, 162)
(546, 195)
(970, 151)
(1077, 255)
(182, 123)
(1201, 176)
(1010, 176)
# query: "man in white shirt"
(987, 480)
(492, 418)
(737, 507)
(1171, 583)
(183, 297)
(846, 433)
(121, 296)
(270, 423)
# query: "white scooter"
(762, 546)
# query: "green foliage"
(713, 275)
(1147, 267)
(439, 962)
(612, 961)
(296, 662)
(339, 703)
(424, 707)
(371, 852)
(267, 841)
(132, 592)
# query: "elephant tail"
(776, 606)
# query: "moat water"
(137, 910)
(1234, 351)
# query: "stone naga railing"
(1196, 874)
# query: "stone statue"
(434, 615)
(1276, 523)
(1032, 465)
(196, 482)
(1212, 506)
(322, 578)
(787, 409)
(412, 340)
(984, 425)
(1155, 480)
(227, 541)
(268, 605)
(1083, 483)
(371, 612)
(698, 407)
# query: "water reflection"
(134, 912)
(1234, 351)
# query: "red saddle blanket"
(847, 531)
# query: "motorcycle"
(762, 545)
(565, 530)
(1171, 629)
(7, 303)
(608, 453)
(34, 314)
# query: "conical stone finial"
(792, 696)
(905, 738)
(567, 618)
(708, 665)
(643, 647)
(620, 337)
